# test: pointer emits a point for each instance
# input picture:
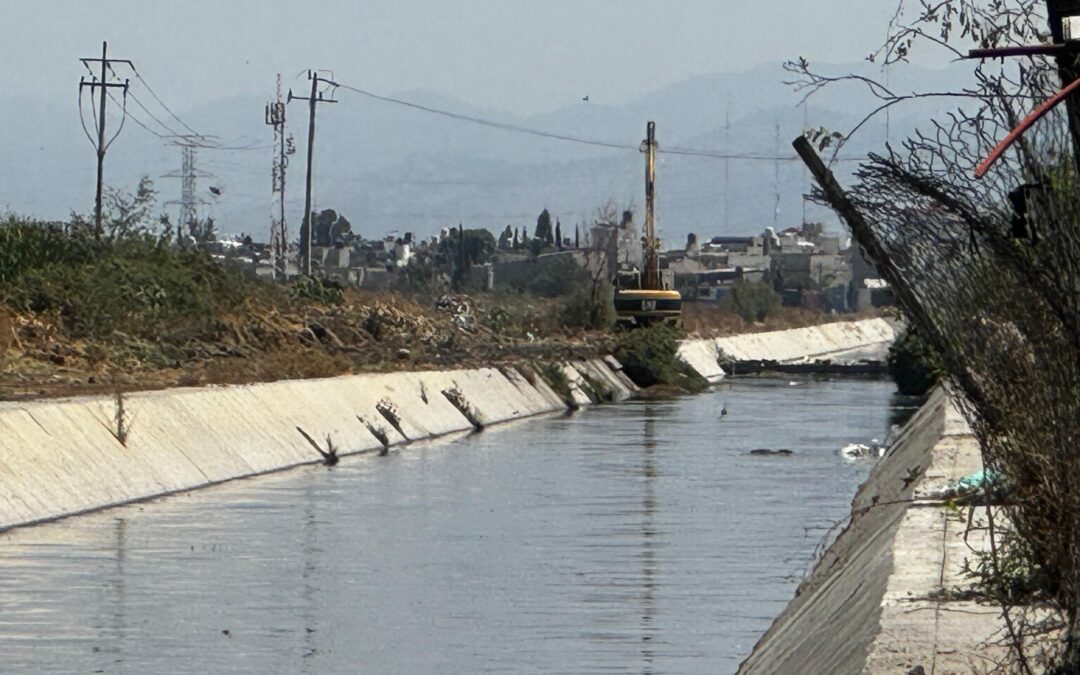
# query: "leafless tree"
(988, 271)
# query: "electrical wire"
(82, 118)
(153, 117)
(516, 128)
(490, 123)
(150, 89)
(143, 107)
(202, 141)
(123, 118)
(136, 120)
(105, 91)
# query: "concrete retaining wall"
(786, 346)
(61, 457)
(887, 596)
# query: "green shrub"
(753, 301)
(556, 379)
(913, 365)
(584, 309)
(27, 245)
(553, 277)
(649, 357)
(319, 289)
(136, 284)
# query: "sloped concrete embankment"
(887, 596)
(839, 341)
(62, 457)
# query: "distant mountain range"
(391, 168)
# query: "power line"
(151, 115)
(150, 89)
(517, 128)
(491, 123)
(146, 110)
(204, 141)
(127, 113)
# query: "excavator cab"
(637, 307)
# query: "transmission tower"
(283, 147)
(189, 201)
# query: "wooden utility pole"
(864, 236)
(103, 84)
(1068, 62)
(651, 277)
(1064, 22)
(316, 97)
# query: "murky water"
(639, 538)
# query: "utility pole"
(776, 180)
(100, 144)
(652, 262)
(316, 97)
(1060, 13)
(1064, 19)
(283, 147)
(727, 170)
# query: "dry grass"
(272, 338)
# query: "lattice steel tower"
(189, 201)
(283, 147)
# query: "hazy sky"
(525, 56)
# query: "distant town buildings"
(805, 266)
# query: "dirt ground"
(368, 332)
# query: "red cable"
(1016, 133)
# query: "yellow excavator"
(641, 298)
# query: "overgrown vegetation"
(318, 289)
(912, 364)
(753, 301)
(557, 277)
(556, 379)
(135, 308)
(649, 358)
(985, 272)
(144, 303)
(135, 283)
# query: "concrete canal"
(636, 538)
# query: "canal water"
(638, 538)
